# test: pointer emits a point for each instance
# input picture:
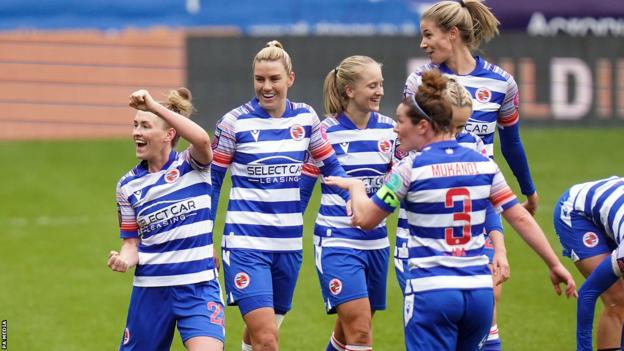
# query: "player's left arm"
(511, 145)
(321, 150)
(309, 175)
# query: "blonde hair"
(474, 20)
(348, 72)
(179, 101)
(274, 51)
(459, 98)
(458, 95)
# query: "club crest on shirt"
(297, 132)
(241, 280)
(483, 95)
(590, 239)
(172, 175)
(384, 146)
(335, 286)
(126, 336)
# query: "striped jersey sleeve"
(128, 227)
(319, 148)
(501, 195)
(508, 113)
(224, 143)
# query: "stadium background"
(67, 67)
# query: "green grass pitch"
(58, 222)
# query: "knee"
(358, 331)
(613, 300)
(265, 339)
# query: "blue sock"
(330, 347)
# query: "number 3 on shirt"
(459, 194)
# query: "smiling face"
(151, 136)
(365, 95)
(271, 83)
(435, 42)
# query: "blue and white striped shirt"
(169, 211)
(447, 189)
(367, 154)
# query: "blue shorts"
(347, 274)
(197, 309)
(492, 222)
(257, 279)
(448, 319)
(579, 236)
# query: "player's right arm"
(126, 258)
(369, 212)
(223, 148)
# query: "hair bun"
(185, 93)
(433, 84)
(275, 43)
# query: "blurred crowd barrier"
(562, 80)
(67, 66)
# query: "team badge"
(241, 280)
(590, 239)
(335, 286)
(297, 132)
(126, 338)
(172, 175)
(384, 146)
(483, 95)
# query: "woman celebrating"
(264, 143)
(352, 264)
(450, 31)
(166, 228)
(449, 299)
